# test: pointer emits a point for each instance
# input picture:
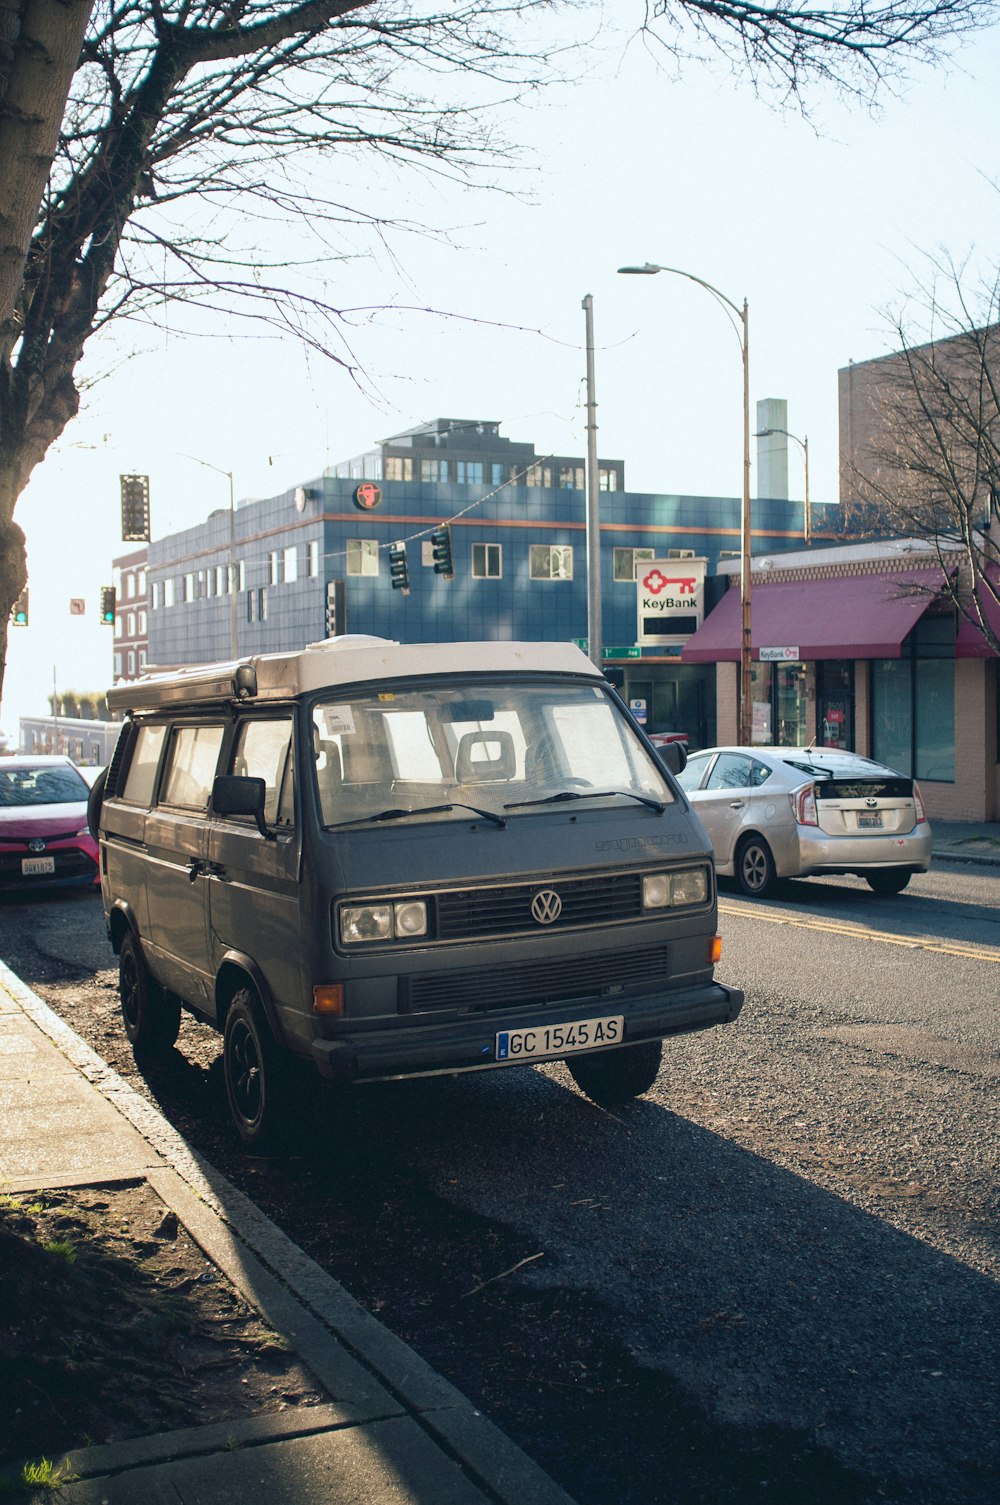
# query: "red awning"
(969, 641)
(852, 616)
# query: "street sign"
(622, 652)
(77, 606)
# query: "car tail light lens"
(803, 803)
(918, 802)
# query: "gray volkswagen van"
(392, 860)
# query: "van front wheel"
(257, 1074)
(611, 1077)
(151, 1016)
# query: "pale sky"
(819, 228)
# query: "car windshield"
(42, 785)
(480, 746)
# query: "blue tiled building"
(316, 560)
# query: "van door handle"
(195, 868)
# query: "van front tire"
(612, 1077)
(257, 1072)
(151, 1016)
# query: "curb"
(978, 859)
(348, 1350)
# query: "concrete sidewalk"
(967, 841)
(393, 1433)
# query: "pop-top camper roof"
(340, 661)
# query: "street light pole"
(743, 333)
(234, 645)
(595, 630)
(804, 446)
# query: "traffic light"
(441, 551)
(398, 576)
(108, 602)
(19, 611)
(135, 509)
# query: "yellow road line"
(863, 933)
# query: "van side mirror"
(673, 756)
(235, 795)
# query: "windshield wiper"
(590, 794)
(400, 814)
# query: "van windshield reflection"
(483, 748)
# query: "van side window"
(143, 765)
(192, 759)
(263, 751)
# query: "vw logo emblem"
(546, 906)
(36, 845)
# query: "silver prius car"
(794, 812)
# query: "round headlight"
(411, 918)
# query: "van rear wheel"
(611, 1077)
(257, 1072)
(151, 1016)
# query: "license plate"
(872, 822)
(36, 867)
(559, 1039)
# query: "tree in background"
(152, 151)
(922, 447)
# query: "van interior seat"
(485, 758)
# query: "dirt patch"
(113, 1324)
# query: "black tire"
(887, 880)
(258, 1074)
(95, 800)
(610, 1077)
(755, 867)
(151, 1016)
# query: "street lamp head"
(646, 270)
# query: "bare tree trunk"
(40, 42)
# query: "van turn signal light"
(328, 998)
(714, 949)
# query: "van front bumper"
(417, 1046)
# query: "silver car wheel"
(755, 867)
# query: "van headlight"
(674, 890)
(402, 921)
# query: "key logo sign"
(670, 600)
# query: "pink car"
(44, 839)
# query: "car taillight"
(803, 803)
(918, 802)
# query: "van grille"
(530, 984)
(470, 913)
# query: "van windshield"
(485, 746)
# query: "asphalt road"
(775, 1278)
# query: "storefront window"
(779, 704)
(913, 704)
(835, 703)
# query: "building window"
(257, 604)
(131, 662)
(118, 666)
(551, 561)
(680, 554)
(221, 580)
(835, 703)
(169, 592)
(274, 567)
(607, 478)
(143, 626)
(130, 585)
(538, 475)
(469, 472)
(913, 704)
(130, 625)
(572, 478)
(155, 601)
(140, 582)
(398, 468)
(498, 474)
(730, 554)
(142, 658)
(627, 561)
(486, 561)
(188, 588)
(290, 564)
(241, 575)
(312, 558)
(434, 470)
(362, 556)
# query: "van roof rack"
(351, 659)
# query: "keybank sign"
(671, 600)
